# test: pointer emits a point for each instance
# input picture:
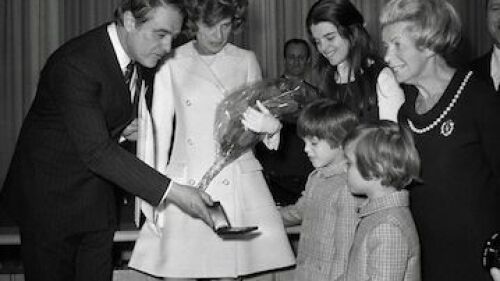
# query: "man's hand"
(130, 132)
(192, 201)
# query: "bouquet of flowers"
(283, 98)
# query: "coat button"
(225, 182)
(188, 102)
(191, 182)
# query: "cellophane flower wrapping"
(284, 99)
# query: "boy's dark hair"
(326, 120)
(384, 150)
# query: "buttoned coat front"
(187, 247)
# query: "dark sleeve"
(487, 108)
(410, 93)
(76, 93)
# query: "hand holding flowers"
(247, 115)
(261, 120)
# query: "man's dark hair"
(296, 41)
(140, 8)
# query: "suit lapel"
(485, 67)
(109, 62)
(148, 76)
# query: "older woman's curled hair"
(434, 24)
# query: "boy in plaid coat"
(326, 209)
(381, 161)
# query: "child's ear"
(334, 145)
(380, 172)
(428, 52)
(380, 168)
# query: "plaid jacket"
(328, 214)
(386, 245)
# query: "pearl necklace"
(445, 112)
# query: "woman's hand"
(495, 273)
(130, 132)
(260, 121)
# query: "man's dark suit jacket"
(482, 66)
(67, 159)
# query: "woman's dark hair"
(362, 53)
(210, 12)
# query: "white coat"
(186, 247)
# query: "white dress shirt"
(495, 66)
(123, 61)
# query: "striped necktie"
(129, 71)
(134, 84)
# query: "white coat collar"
(224, 59)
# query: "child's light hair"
(384, 150)
(326, 120)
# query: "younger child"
(327, 210)
(381, 161)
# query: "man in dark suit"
(488, 65)
(67, 160)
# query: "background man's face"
(296, 60)
(493, 20)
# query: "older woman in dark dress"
(455, 119)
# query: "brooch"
(447, 127)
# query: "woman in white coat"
(193, 82)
